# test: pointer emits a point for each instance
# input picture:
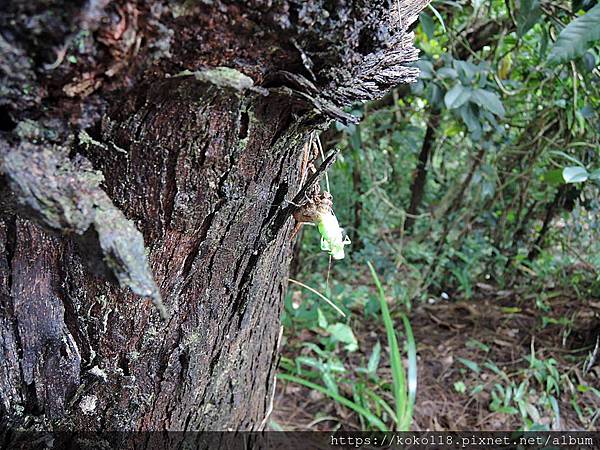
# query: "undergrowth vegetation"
(474, 194)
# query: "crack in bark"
(170, 185)
(10, 245)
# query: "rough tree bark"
(186, 121)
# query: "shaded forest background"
(474, 193)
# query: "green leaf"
(315, 348)
(412, 375)
(575, 174)
(460, 387)
(438, 16)
(529, 14)
(470, 119)
(404, 390)
(470, 364)
(310, 362)
(507, 410)
(488, 100)
(374, 359)
(473, 343)
(567, 157)
(595, 175)
(576, 37)
(398, 378)
(457, 96)
(555, 408)
(330, 382)
(343, 333)
(447, 72)
(435, 95)
(322, 321)
(553, 176)
(466, 69)
(427, 24)
(425, 69)
(338, 398)
(381, 402)
(544, 40)
(589, 61)
(477, 389)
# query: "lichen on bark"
(65, 198)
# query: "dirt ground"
(509, 326)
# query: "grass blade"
(382, 403)
(412, 372)
(399, 383)
(438, 17)
(338, 398)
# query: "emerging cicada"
(319, 211)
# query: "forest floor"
(472, 358)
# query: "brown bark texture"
(417, 187)
(148, 154)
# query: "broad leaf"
(425, 68)
(418, 87)
(577, 37)
(466, 69)
(470, 119)
(374, 360)
(529, 14)
(343, 333)
(488, 100)
(447, 72)
(435, 96)
(457, 96)
(470, 364)
(589, 61)
(554, 176)
(575, 174)
(427, 24)
(595, 175)
(322, 321)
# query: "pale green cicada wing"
(332, 235)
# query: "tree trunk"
(357, 148)
(417, 188)
(186, 122)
